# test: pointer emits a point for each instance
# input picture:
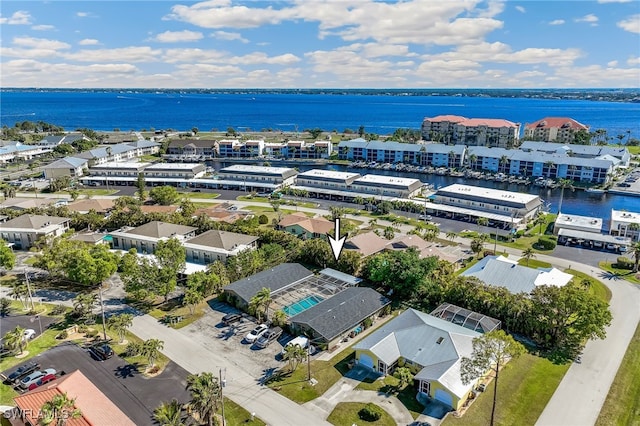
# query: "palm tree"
(635, 227)
(294, 355)
(634, 250)
(84, 303)
(14, 339)
(169, 414)
(539, 221)
(120, 324)
(473, 159)
(20, 291)
(58, 410)
(562, 184)
(261, 301)
(451, 235)
(549, 165)
(482, 221)
(205, 396)
(151, 349)
(528, 253)
(503, 162)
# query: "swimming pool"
(302, 305)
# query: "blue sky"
(320, 44)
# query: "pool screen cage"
(320, 286)
(466, 318)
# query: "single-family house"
(145, 237)
(305, 227)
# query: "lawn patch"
(596, 287)
(622, 406)
(236, 415)
(200, 195)
(525, 387)
(623, 274)
(346, 414)
(533, 263)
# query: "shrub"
(91, 333)
(368, 322)
(545, 243)
(132, 349)
(83, 328)
(263, 219)
(62, 335)
(623, 263)
(58, 310)
(370, 413)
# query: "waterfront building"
(23, 231)
(17, 151)
(621, 155)
(240, 175)
(174, 170)
(52, 141)
(387, 186)
(577, 223)
(229, 148)
(422, 154)
(625, 224)
(498, 271)
(554, 129)
(120, 169)
(191, 149)
(496, 205)
(452, 129)
(251, 148)
(327, 179)
(275, 149)
(144, 147)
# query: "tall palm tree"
(84, 303)
(473, 159)
(294, 355)
(539, 220)
(20, 291)
(151, 349)
(503, 162)
(120, 324)
(528, 253)
(169, 414)
(205, 396)
(562, 184)
(634, 250)
(260, 302)
(549, 165)
(58, 410)
(14, 339)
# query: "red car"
(46, 379)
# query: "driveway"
(242, 387)
(137, 396)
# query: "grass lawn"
(532, 263)
(149, 158)
(236, 415)
(90, 192)
(200, 195)
(596, 287)
(524, 389)
(175, 309)
(406, 395)
(624, 274)
(346, 414)
(622, 406)
(295, 386)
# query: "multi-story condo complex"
(243, 176)
(192, 149)
(423, 154)
(453, 129)
(554, 129)
(23, 231)
(387, 186)
(619, 155)
(126, 173)
(625, 224)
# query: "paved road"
(271, 407)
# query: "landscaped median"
(348, 413)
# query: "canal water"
(576, 202)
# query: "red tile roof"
(96, 409)
(557, 122)
(489, 122)
(451, 118)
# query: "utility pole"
(104, 323)
(26, 278)
(222, 397)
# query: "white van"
(301, 341)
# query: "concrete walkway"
(273, 408)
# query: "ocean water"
(381, 114)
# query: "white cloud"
(597, 76)
(633, 61)
(614, 1)
(557, 22)
(178, 36)
(262, 58)
(123, 54)
(82, 14)
(612, 64)
(88, 42)
(193, 55)
(225, 35)
(43, 27)
(631, 24)
(20, 17)
(521, 9)
(40, 43)
(590, 18)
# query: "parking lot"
(228, 340)
(137, 396)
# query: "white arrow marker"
(336, 243)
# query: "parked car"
(301, 341)
(22, 371)
(623, 249)
(611, 246)
(256, 333)
(34, 377)
(101, 352)
(425, 217)
(44, 380)
(231, 318)
(598, 244)
(268, 337)
(29, 334)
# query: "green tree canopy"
(403, 270)
(7, 256)
(164, 195)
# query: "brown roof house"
(144, 238)
(366, 244)
(305, 227)
(86, 205)
(221, 213)
(217, 245)
(25, 230)
(95, 408)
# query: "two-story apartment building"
(25, 230)
(214, 245)
(387, 186)
(619, 155)
(192, 149)
(145, 238)
(68, 166)
(423, 154)
(326, 179)
(249, 177)
(625, 224)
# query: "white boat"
(595, 190)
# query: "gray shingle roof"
(275, 279)
(30, 221)
(513, 277)
(67, 162)
(222, 239)
(342, 312)
(158, 229)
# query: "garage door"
(366, 360)
(444, 397)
